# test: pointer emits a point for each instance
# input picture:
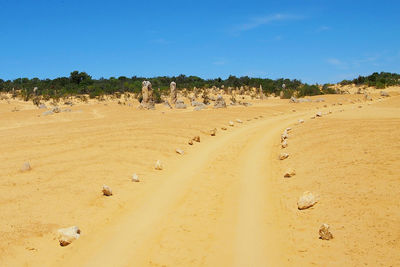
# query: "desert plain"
(224, 202)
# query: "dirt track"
(223, 203)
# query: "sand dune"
(224, 202)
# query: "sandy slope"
(223, 203)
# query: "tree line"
(378, 80)
(80, 83)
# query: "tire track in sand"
(217, 209)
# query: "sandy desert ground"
(224, 202)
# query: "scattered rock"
(167, 104)
(220, 102)
(246, 104)
(284, 136)
(289, 173)
(107, 191)
(26, 167)
(197, 104)
(283, 156)
(135, 178)
(301, 121)
(180, 104)
(318, 114)
(284, 144)
(231, 123)
(190, 142)
(196, 139)
(224, 128)
(158, 165)
(42, 106)
(239, 121)
(49, 112)
(324, 232)
(56, 110)
(385, 94)
(213, 132)
(306, 201)
(67, 235)
(179, 151)
(288, 129)
(200, 107)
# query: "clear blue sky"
(312, 40)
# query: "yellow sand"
(223, 203)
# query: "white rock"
(306, 201)
(239, 121)
(324, 232)
(284, 144)
(231, 123)
(383, 93)
(158, 165)
(107, 190)
(284, 136)
(135, 178)
(301, 121)
(288, 129)
(179, 151)
(283, 156)
(26, 167)
(289, 173)
(318, 114)
(67, 235)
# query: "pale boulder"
(284, 136)
(179, 151)
(67, 235)
(213, 132)
(324, 232)
(284, 144)
(283, 156)
(135, 178)
(158, 166)
(26, 167)
(196, 139)
(107, 191)
(289, 173)
(306, 201)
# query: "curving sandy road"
(217, 208)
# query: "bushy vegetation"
(378, 80)
(80, 84)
